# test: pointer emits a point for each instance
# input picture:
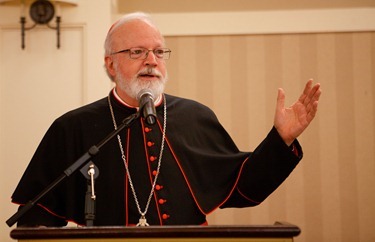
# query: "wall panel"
(37, 85)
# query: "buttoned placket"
(152, 153)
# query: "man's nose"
(151, 58)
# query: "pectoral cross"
(142, 222)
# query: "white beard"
(133, 86)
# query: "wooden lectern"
(279, 232)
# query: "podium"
(279, 232)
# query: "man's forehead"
(135, 32)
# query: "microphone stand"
(90, 172)
(93, 150)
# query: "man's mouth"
(148, 76)
(149, 73)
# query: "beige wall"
(233, 62)
(41, 82)
(331, 194)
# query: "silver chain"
(143, 214)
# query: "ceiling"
(177, 6)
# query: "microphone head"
(145, 99)
(143, 92)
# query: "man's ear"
(109, 65)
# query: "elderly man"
(171, 172)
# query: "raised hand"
(290, 122)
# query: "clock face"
(42, 11)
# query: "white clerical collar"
(157, 102)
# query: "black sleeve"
(38, 216)
(264, 171)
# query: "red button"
(147, 129)
(152, 158)
(149, 143)
(154, 173)
(162, 201)
(158, 187)
(165, 216)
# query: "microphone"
(146, 105)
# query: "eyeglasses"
(142, 53)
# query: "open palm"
(290, 122)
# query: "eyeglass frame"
(146, 51)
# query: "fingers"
(312, 108)
(311, 113)
(310, 94)
(310, 99)
(280, 99)
(304, 96)
(314, 96)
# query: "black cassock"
(201, 167)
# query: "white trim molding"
(266, 22)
